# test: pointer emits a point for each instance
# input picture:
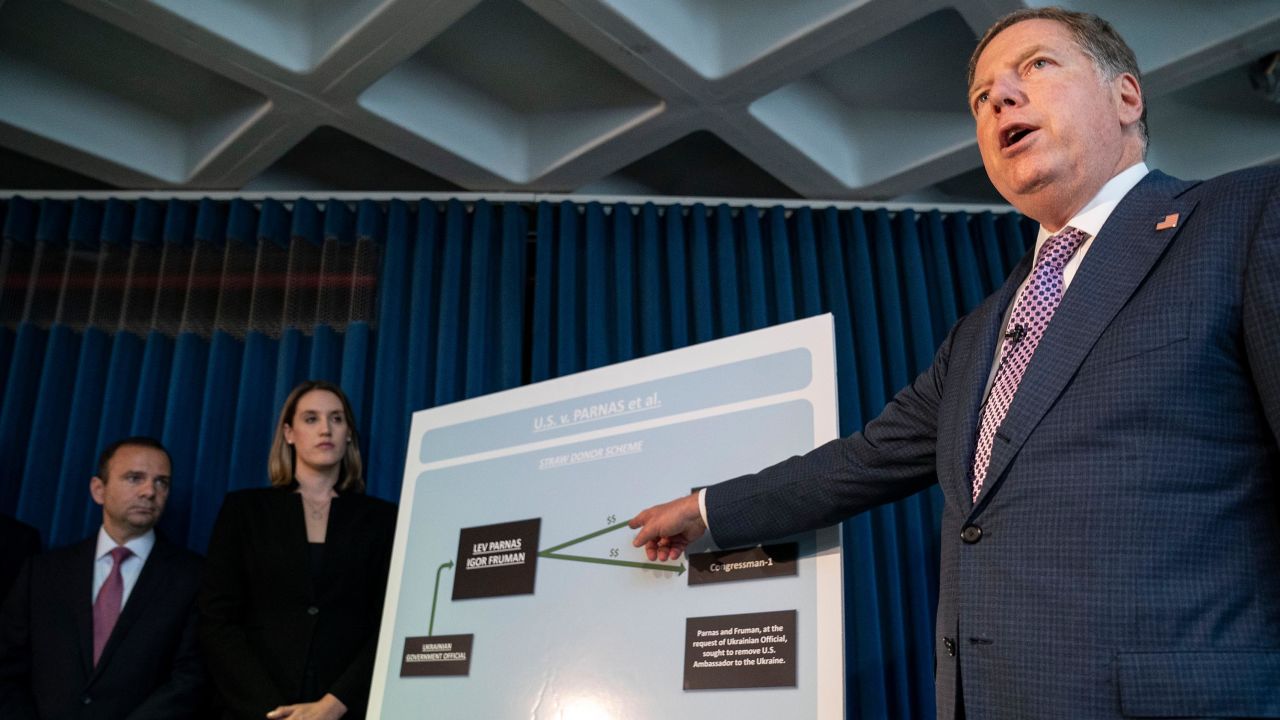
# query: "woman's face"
(318, 431)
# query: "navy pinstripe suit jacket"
(1126, 561)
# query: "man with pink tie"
(104, 628)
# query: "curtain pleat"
(677, 252)
(325, 359)
(597, 281)
(48, 428)
(208, 478)
(80, 449)
(192, 320)
(388, 416)
(152, 385)
(21, 391)
(988, 246)
(481, 348)
(725, 255)
(807, 288)
(755, 293)
(451, 308)
(701, 272)
(7, 338)
(568, 310)
(254, 419)
(510, 294)
(542, 352)
(180, 428)
(652, 314)
(423, 321)
(357, 343)
(365, 235)
(292, 366)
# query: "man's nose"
(1005, 93)
(148, 488)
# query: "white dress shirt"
(1090, 219)
(129, 569)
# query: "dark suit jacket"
(149, 668)
(20, 541)
(260, 614)
(1123, 559)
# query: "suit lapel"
(337, 537)
(294, 529)
(1126, 249)
(82, 594)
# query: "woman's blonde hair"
(280, 462)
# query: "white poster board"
(515, 592)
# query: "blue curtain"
(191, 320)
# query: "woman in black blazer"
(294, 582)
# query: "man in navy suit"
(1103, 428)
(105, 628)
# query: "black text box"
(751, 650)
(753, 563)
(496, 560)
(436, 656)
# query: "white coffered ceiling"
(821, 99)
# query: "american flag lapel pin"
(1169, 221)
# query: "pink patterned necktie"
(106, 608)
(1027, 324)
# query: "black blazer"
(20, 541)
(261, 616)
(150, 667)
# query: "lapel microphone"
(1016, 334)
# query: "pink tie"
(1027, 324)
(106, 609)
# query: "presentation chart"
(514, 589)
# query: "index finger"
(637, 521)
(649, 532)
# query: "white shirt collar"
(141, 545)
(1094, 214)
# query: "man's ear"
(98, 489)
(1128, 98)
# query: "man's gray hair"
(1110, 54)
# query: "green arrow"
(431, 628)
(679, 570)
(597, 533)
